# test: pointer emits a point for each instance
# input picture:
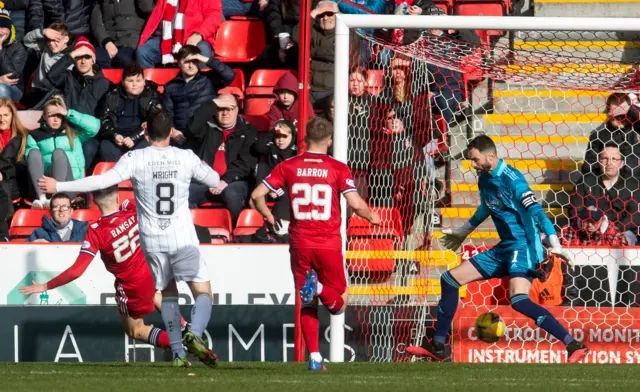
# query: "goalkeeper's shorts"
(498, 262)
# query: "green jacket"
(47, 139)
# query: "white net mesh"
(540, 96)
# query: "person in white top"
(161, 175)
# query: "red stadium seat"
(240, 41)
(259, 121)
(445, 5)
(264, 80)
(25, 221)
(258, 106)
(482, 8)
(376, 246)
(160, 76)
(114, 75)
(103, 167)
(220, 162)
(217, 220)
(249, 221)
(239, 79)
(87, 215)
(375, 81)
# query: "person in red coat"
(174, 23)
(286, 105)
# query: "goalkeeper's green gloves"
(565, 255)
(452, 239)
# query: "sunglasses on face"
(325, 14)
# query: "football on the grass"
(489, 327)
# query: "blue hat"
(5, 17)
(586, 214)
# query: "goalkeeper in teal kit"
(506, 197)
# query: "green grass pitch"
(246, 377)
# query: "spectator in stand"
(83, 86)
(281, 17)
(360, 122)
(329, 110)
(191, 88)
(60, 227)
(272, 148)
(125, 110)
(76, 14)
(56, 148)
(216, 126)
(162, 38)
(243, 8)
(592, 228)
(621, 128)
(13, 58)
(50, 44)
(18, 10)
(6, 209)
(323, 40)
(612, 193)
(117, 25)
(286, 104)
(13, 144)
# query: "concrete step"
(535, 171)
(457, 216)
(536, 147)
(549, 195)
(526, 99)
(587, 8)
(565, 36)
(595, 51)
(542, 123)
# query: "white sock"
(316, 357)
(319, 290)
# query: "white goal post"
(346, 23)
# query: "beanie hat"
(5, 17)
(84, 47)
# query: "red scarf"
(172, 33)
(5, 137)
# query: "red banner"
(612, 334)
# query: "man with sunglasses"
(59, 227)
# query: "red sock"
(159, 338)
(310, 328)
(331, 299)
(183, 322)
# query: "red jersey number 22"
(315, 200)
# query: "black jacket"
(16, 5)
(281, 16)
(13, 58)
(120, 22)
(150, 100)
(76, 14)
(81, 93)
(204, 129)
(182, 99)
(627, 139)
(620, 202)
(270, 155)
(8, 161)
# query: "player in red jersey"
(116, 237)
(314, 182)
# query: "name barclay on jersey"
(165, 175)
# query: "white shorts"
(185, 265)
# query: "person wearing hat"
(323, 39)
(192, 87)
(13, 57)
(223, 139)
(592, 228)
(286, 104)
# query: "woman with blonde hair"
(13, 143)
(56, 148)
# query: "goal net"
(415, 98)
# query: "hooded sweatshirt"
(36, 40)
(278, 111)
(270, 155)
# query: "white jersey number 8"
(318, 195)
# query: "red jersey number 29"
(316, 200)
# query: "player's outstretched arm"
(204, 174)
(72, 273)
(360, 207)
(259, 200)
(87, 184)
(453, 238)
